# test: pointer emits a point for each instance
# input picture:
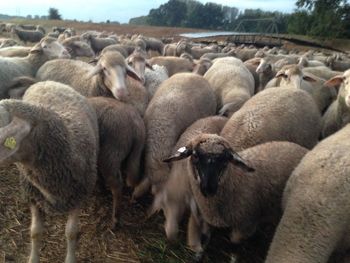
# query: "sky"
(121, 10)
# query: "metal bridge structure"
(267, 34)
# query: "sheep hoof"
(198, 256)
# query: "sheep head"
(293, 76)
(344, 82)
(113, 70)
(137, 60)
(210, 155)
(13, 130)
(51, 48)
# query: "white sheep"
(52, 137)
(232, 83)
(315, 222)
(12, 67)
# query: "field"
(137, 239)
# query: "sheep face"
(51, 48)
(292, 76)
(264, 66)
(344, 82)
(138, 62)
(113, 70)
(209, 157)
(12, 133)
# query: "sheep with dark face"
(52, 137)
(238, 191)
(176, 196)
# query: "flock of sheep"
(233, 136)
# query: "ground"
(137, 239)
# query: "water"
(212, 34)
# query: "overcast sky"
(120, 10)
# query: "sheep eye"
(44, 46)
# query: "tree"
(53, 14)
(329, 18)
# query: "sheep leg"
(198, 235)
(72, 235)
(36, 232)
(141, 189)
(116, 189)
(132, 169)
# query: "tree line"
(323, 18)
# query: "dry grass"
(118, 29)
(136, 240)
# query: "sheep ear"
(309, 78)
(181, 153)
(238, 161)
(335, 81)
(131, 72)
(281, 74)
(96, 70)
(36, 49)
(11, 137)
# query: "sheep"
(169, 49)
(153, 44)
(251, 65)
(245, 53)
(78, 48)
(16, 51)
(137, 60)
(7, 42)
(10, 68)
(28, 35)
(337, 65)
(198, 52)
(118, 47)
(232, 83)
(154, 78)
(202, 66)
(314, 225)
(97, 43)
(122, 137)
(305, 62)
(293, 76)
(52, 137)
(213, 56)
(176, 197)
(322, 72)
(179, 101)
(338, 114)
(106, 79)
(183, 46)
(55, 34)
(238, 191)
(275, 114)
(173, 64)
(60, 29)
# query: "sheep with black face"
(239, 191)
